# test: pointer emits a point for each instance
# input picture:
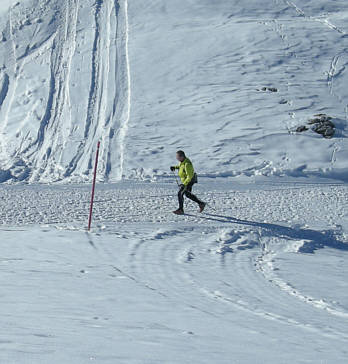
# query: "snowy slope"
(149, 77)
(64, 86)
(201, 84)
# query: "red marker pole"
(93, 187)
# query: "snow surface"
(261, 277)
(149, 77)
(6, 4)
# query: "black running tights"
(188, 193)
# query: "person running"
(188, 178)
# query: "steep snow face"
(148, 77)
(64, 86)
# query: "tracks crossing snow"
(214, 275)
(81, 95)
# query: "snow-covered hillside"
(64, 86)
(148, 77)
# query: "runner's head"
(180, 155)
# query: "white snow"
(149, 77)
(261, 275)
(6, 5)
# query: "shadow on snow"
(314, 240)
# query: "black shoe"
(202, 207)
(178, 212)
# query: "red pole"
(93, 187)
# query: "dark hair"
(181, 153)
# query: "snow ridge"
(124, 125)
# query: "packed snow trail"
(259, 276)
(135, 202)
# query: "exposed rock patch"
(321, 124)
(270, 89)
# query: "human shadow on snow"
(314, 240)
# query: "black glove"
(172, 168)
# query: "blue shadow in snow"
(315, 240)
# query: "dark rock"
(323, 115)
(301, 128)
(321, 118)
(320, 124)
(323, 125)
(272, 89)
(330, 132)
(326, 129)
(327, 122)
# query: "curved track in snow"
(263, 268)
(217, 282)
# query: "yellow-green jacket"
(186, 171)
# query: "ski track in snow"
(331, 74)
(68, 126)
(78, 72)
(124, 126)
(241, 253)
(66, 83)
(67, 208)
(13, 62)
(226, 268)
(186, 286)
(323, 21)
(266, 266)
